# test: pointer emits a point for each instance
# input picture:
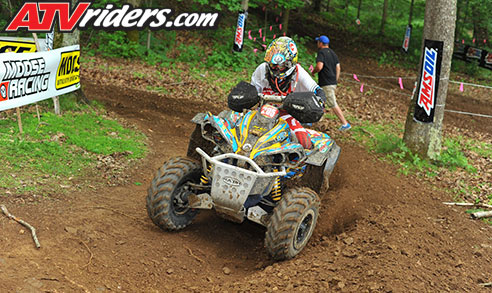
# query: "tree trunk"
(439, 24)
(383, 18)
(346, 11)
(410, 14)
(69, 39)
(317, 6)
(10, 8)
(285, 21)
(134, 35)
(457, 33)
(266, 20)
(358, 9)
(466, 11)
(480, 21)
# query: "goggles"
(278, 70)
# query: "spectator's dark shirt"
(327, 75)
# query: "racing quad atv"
(246, 164)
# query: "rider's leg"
(300, 132)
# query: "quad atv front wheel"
(167, 198)
(292, 223)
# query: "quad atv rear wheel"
(292, 223)
(167, 197)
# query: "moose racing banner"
(429, 81)
(20, 45)
(31, 77)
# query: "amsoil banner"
(239, 36)
(32, 77)
(428, 84)
(473, 54)
(20, 45)
(406, 40)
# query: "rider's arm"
(258, 77)
(307, 84)
(320, 93)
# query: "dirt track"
(378, 231)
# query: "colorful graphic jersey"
(301, 81)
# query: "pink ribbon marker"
(270, 28)
(400, 82)
(463, 41)
(461, 87)
(249, 35)
(276, 19)
(264, 39)
(280, 26)
(284, 34)
(355, 77)
(264, 46)
(274, 36)
(311, 68)
(484, 41)
(254, 39)
(362, 88)
(473, 40)
(260, 32)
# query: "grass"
(47, 154)
(386, 139)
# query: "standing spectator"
(328, 66)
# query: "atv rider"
(280, 75)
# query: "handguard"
(306, 107)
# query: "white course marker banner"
(31, 77)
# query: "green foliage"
(452, 156)
(482, 75)
(384, 139)
(190, 54)
(113, 44)
(221, 5)
(481, 148)
(290, 4)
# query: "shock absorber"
(276, 190)
(204, 179)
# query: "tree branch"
(33, 230)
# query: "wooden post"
(19, 120)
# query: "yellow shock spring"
(276, 190)
(204, 179)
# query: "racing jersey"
(300, 82)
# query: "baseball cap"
(323, 39)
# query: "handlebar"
(272, 98)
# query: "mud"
(378, 230)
